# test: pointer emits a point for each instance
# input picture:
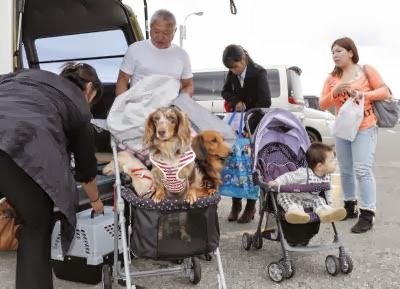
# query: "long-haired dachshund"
(142, 179)
(211, 152)
(168, 137)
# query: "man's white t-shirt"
(144, 59)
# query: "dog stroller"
(278, 145)
(148, 229)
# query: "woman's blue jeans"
(356, 161)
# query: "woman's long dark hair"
(80, 74)
(234, 53)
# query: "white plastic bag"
(235, 121)
(349, 119)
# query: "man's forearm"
(91, 190)
(187, 86)
(122, 83)
(120, 89)
(188, 90)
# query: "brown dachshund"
(168, 136)
(211, 152)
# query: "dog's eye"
(214, 140)
(171, 118)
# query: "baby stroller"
(278, 145)
(152, 230)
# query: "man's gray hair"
(163, 14)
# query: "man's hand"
(240, 106)
(97, 206)
(94, 196)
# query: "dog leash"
(139, 172)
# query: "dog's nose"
(161, 133)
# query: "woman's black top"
(255, 92)
(43, 118)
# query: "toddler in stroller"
(279, 145)
(321, 163)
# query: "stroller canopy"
(126, 118)
(281, 126)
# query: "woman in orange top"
(356, 158)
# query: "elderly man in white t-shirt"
(156, 56)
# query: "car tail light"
(292, 100)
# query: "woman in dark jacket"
(43, 119)
(246, 87)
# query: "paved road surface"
(376, 254)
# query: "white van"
(286, 92)
(284, 84)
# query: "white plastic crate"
(94, 237)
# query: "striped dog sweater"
(171, 179)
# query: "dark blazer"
(255, 92)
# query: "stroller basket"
(173, 229)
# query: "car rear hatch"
(97, 32)
(55, 18)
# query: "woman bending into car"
(246, 87)
(44, 118)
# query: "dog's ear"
(183, 132)
(199, 148)
(149, 130)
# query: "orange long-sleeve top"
(374, 89)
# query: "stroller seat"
(156, 227)
(278, 146)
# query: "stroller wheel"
(106, 277)
(346, 264)
(276, 272)
(246, 241)
(208, 257)
(332, 265)
(195, 270)
(292, 270)
(257, 241)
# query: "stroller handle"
(297, 188)
(249, 114)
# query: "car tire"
(313, 135)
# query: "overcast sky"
(289, 32)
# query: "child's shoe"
(327, 214)
(296, 215)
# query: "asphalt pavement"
(375, 254)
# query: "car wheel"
(313, 136)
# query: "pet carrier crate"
(91, 248)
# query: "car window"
(208, 85)
(274, 82)
(92, 48)
(311, 101)
(294, 85)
